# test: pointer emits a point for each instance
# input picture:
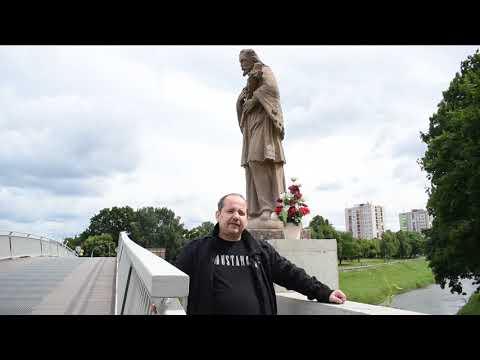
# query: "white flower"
(293, 179)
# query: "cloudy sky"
(89, 127)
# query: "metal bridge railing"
(15, 244)
(147, 284)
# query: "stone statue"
(261, 123)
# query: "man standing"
(261, 123)
(231, 273)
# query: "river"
(434, 300)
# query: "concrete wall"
(317, 257)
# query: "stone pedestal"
(266, 234)
(317, 257)
(270, 234)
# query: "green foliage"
(472, 307)
(452, 162)
(99, 245)
(346, 247)
(158, 227)
(110, 221)
(322, 229)
(149, 227)
(73, 242)
(389, 245)
(200, 231)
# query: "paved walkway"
(57, 286)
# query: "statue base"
(263, 228)
(266, 234)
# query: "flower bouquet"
(291, 205)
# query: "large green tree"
(99, 245)
(110, 221)
(158, 227)
(452, 163)
(389, 245)
(322, 229)
(201, 230)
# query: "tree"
(99, 245)
(322, 229)
(158, 227)
(110, 221)
(346, 247)
(388, 245)
(452, 163)
(200, 231)
(404, 246)
(73, 242)
(417, 242)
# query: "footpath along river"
(434, 300)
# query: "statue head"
(248, 57)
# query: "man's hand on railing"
(337, 297)
(153, 309)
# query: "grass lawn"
(472, 307)
(377, 286)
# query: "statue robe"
(262, 150)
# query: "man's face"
(246, 64)
(232, 219)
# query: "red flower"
(298, 195)
(304, 210)
(293, 189)
(292, 211)
(279, 200)
(278, 209)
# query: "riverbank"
(472, 307)
(378, 285)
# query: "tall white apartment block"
(415, 220)
(365, 221)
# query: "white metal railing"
(15, 244)
(293, 303)
(147, 284)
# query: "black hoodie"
(197, 260)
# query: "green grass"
(472, 307)
(378, 285)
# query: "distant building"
(365, 221)
(415, 220)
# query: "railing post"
(126, 289)
(10, 242)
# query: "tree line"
(392, 245)
(149, 227)
(152, 227)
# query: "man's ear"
(217, 214)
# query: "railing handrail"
(18, 234)
(348, 308)
(161, 279)
(29, 235)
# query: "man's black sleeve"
(184, 260)
(291, 277)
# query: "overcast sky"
(89, 127)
